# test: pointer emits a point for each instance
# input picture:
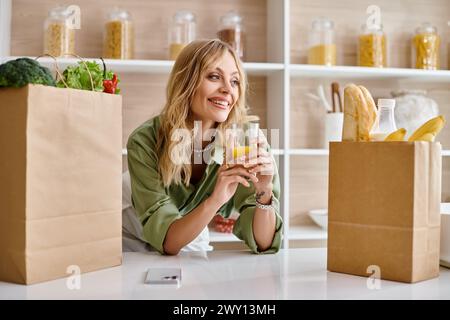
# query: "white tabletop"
(289, 274)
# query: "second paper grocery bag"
(384, 209)
(60, 173)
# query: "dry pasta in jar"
(119, 36)
(372, 47)
(59, 36)
(426, 46)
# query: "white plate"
(320, 217)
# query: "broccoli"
(22, 71)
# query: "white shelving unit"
(324, 152)
(366, 73)
(150, 66)
(275, 152)
(279, 72)
(307, 233)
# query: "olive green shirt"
(158, 206)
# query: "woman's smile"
(220, 103)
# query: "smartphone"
(163, 276)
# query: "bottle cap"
(386, 103)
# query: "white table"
(289, 274)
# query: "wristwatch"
(265, 206)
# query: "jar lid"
(426, 27)
(183, 16)
(59, 12)
(372, 27)
(231, 18)
(118, 14)
(322, 23)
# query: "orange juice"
(240, 151)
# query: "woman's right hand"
(227, 182)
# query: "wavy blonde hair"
(186, 76)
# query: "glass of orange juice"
(242, 144)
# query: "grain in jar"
(119, 36)
(322, 46)
(425, 47)
(59, 35)
(372, 47)
(231, 31)
(448, 56)
(182, 31)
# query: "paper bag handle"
(59, 73)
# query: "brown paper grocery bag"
(384, 209)
(60, 182)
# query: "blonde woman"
(176, 200)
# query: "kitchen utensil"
(335, 94)
(321, 93)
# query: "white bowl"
(445, 235)
(320, 217)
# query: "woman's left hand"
(262, 166)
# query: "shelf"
(366, 73)
(260, 68)
(150, 66)
(314, 232)
(324, 152)
(215, 236)
(275, 152)
(308, 152)
(307, 232)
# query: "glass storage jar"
(372, 47)
(181, 32)
(321, 43)
(425, 47)
(448, 48)
(59, 35)
(118, 41)
(231, 31)
(413, 109)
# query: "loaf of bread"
(360, 113)
(367, 121)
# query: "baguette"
(352, 97)
(360, 113)
(369, 117)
